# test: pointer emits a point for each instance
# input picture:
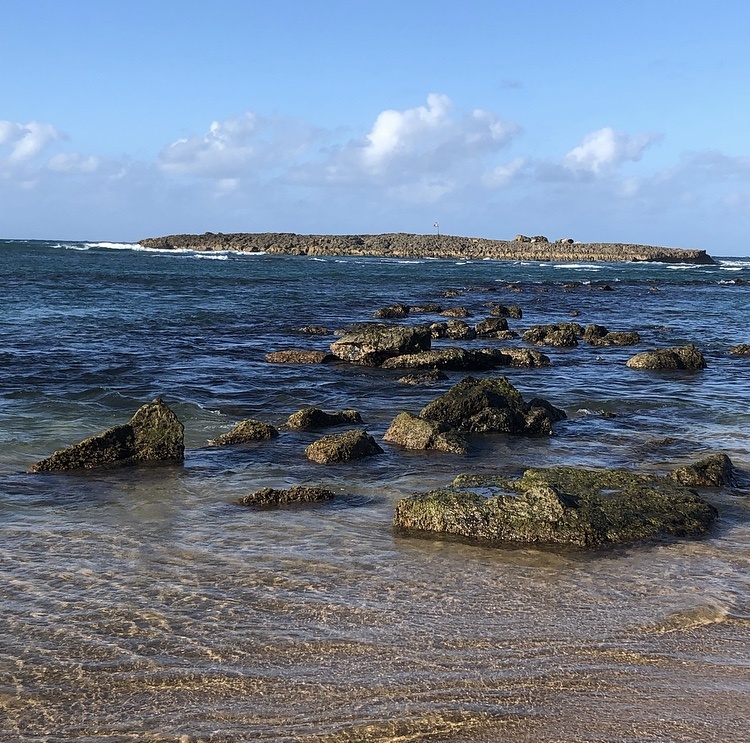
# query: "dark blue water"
(144, 605)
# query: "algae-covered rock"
(372, 343)
(298, 494)
(500, 310)
(562, 505)
(452, 359)
(246, 432)
(680, 357)
(598, 335)
(427, 377)
(412, 432)
(459, 312)
(299, 356)
(715, 471)
(153, 434)
(489, 406)
(458, 330)
(393, 311)
(312, 418)
(560, 335)
(742, 350)
(343, 447)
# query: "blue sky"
(600, 121)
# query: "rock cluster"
(371, 344)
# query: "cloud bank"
(468, 169)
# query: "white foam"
(114, 246)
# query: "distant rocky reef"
(403, 245)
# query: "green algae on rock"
(246, 432)
(266, 497)
(153, 434)
(312, 418)
(678, 357)
(714, 471)
(561, 505)
(343, 447)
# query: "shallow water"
(145, 605)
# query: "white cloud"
(602, 151)
(241, 146)
(73, 162)
(503, 175)
(26, 140)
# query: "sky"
(597, 120)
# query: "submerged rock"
(343, 447)
(314, 330)
(371, 344)
(680, 357)
(562, 505)
(428, 377)
(427, 307)
(299, 356)
(715, 471)
(413, 432)
(246, 432)
(153, 434)
(311, 418)
(491, 406)
(297, 494)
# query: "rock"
(153, 434)
(491, 327)
(370, 344)
(299, 356)
(560, 335)
(526, 358)
(489, 406)
(561, 505)
(452, 293)
(452, 359)
(459, 312)
(680, 357)
(312, 418)
(394, 311)
(246, 432)
(343, 447)
(539, 239)
(500, 310)
(438, 329)
(427, 307)
(458, 330)
(297, 494)
(521, 239)
(429, 377)
(598, 335)
(574, 313)
(715, 471)
(742, 350)
(412, 432)
(314, 330)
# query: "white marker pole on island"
(437, 227)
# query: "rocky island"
(403, 245)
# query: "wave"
(592, 266)
(212, 256)
(113, 246)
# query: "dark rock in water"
(246, 432)
(299, 356)
(680, 357)
(452, 359)
(458, 330)
(489, 406)
(427, 307)
(153, 434)
(715, 471)
(413, 432)
(313, 418)
(394, 311)
(598, 335)
(742, 350)
(427, 377)
(459, 312)
(526, 358)
(452, 293)
(491, 327)
(371, 344)
(297, 494)
(343, 447)
(500, 310)
(562, 505)
(314, 330)
(560, 335)
(438, 329)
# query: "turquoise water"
(145, 605)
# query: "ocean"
(144, 604)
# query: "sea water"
(144, 604)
